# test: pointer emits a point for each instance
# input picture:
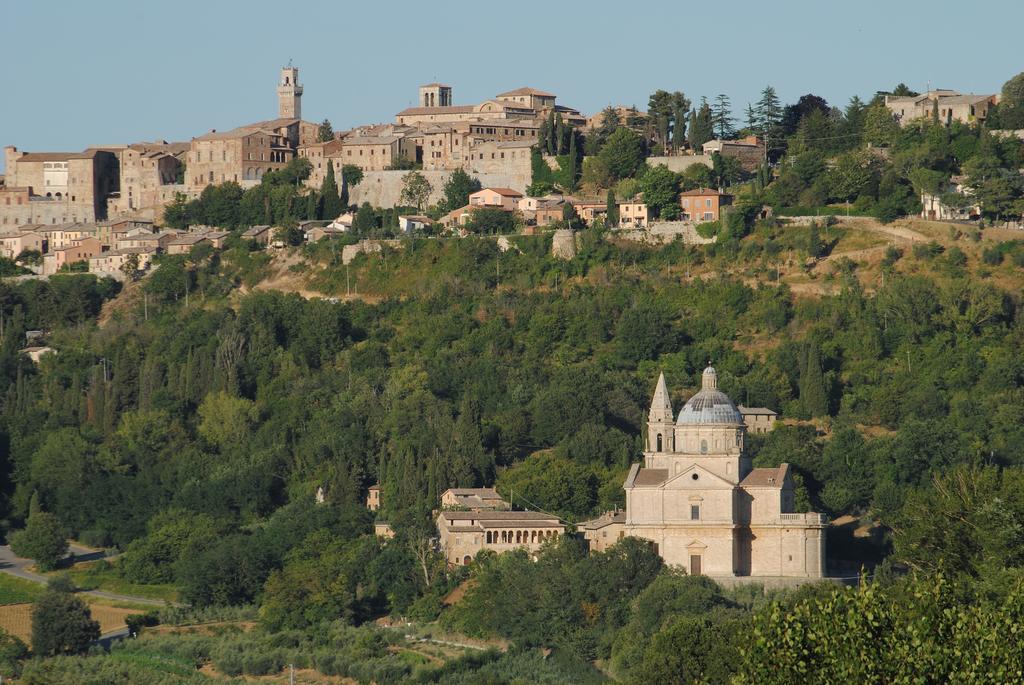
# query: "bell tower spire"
(660, 422)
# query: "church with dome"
(698, 499)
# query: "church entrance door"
(694, 564)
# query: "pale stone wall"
(563, 244)
(384, 188)
(663, 232)
(680, 163)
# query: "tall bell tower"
(289, 94)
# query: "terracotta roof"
(434, 85)
(605, 519)
(526, 91)
(497, 516)
(766, 478)
(370, 140)
(506, 192)
(701, 192)
(255, 230)
(651, 477)
(45, 157)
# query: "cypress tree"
(611, 210)
(551, 144)
(331, 205)
(559, 146)
(574, 170)
(813, 397)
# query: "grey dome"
(710, 405)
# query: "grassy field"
(16, 619)
(100, 575)
(17, 591)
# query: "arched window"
(659, 442)
(703, 446)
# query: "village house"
(318, 233)
(463, 534)
(217, 238)
(408, 223)
(112, 262)
(157, 241)
(758, 419)
(634, 215)
(703, 204)
(500, 198)
(184, 243)
(697, 498)
(604, 531)
(259, 234)
(13, 243)
(78, 251)
(473, 499)
(590, 212)
(36, 353)
(966, 209)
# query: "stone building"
(473, 499)
(57, 187)
(697, 498)
(604, 531)
(945, 106)
(289, 94)
(244, 154)
(150, 174)
(463, 534)
(374, 153)
(750, 151)
(521, 103)
(758, 419)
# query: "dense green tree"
(623, 153)
(702, 125)
(457, 190)
(416, 189)
(660, 188)
(721, 117)
(326, 132)
(62, 624)
(43, 539)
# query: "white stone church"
(697, 498)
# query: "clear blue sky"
(119, 71)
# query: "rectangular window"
(695, 512)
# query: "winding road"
(16, 566)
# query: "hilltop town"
(519, 162)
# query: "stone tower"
(660, 422)
(289, 94)
(435, 95)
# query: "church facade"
(698, 499)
